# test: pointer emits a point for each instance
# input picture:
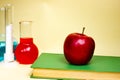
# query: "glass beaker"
(4, 14)
(2, 33)
(26, 51)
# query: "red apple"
(78, 48)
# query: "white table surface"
(15, 71)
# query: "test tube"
(9, 55)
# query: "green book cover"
(55, 66)
(97, 63)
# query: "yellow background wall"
(53, 20)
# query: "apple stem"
(83, 30)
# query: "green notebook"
(99, 64)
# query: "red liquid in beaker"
(26, 51)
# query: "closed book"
(55, 66)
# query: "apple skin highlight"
(78, 48)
